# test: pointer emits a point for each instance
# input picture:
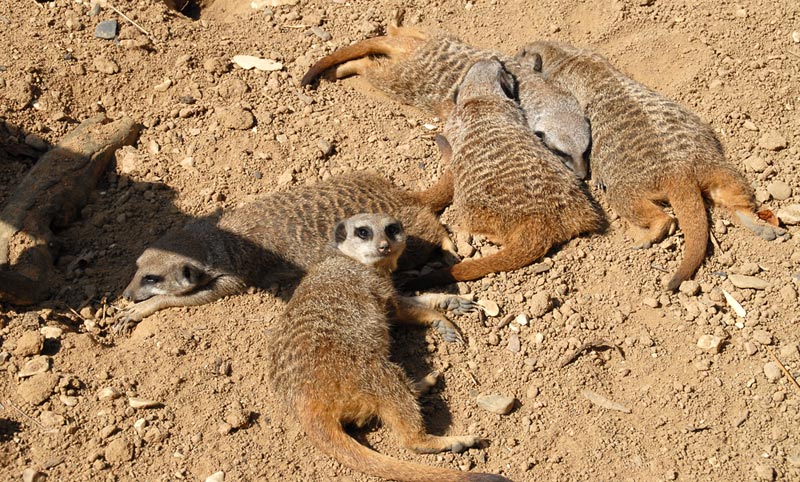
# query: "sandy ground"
(694, 415)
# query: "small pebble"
(216, 477)
(540, 304)
(29, 344)
(34, 366)
(33, 475)
(498, 404)
(690, 287)
(489, 307)
(107, 29)
(764, 472)
(772, 141)
(750, 348)
(710, 343)
(651, 302)
(105, 65)
(789, 215)
(773, 372)
(51, 332)
(248, 62)
(321, 33)
(119, 451)
(756, 164)
(143, 403)
(109, 393)
(780, 190)
(521, 319)
(762, 336)
(513, 343)
(748, 282)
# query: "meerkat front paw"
(457, 304)
(128, 318)
(448, 330)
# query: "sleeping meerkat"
(648, 149)
(424, 70)
(275, 238)
(506, 183)
(333, 364)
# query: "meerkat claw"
(449, 331)
(458, 305)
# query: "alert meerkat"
(424, 70)
(648, 149)
(333, 364)
(506, 183)
(275, 238)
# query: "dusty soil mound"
(217, 135)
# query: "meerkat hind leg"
(649, 224)
(442, 301)
(400, 412)
(726, 190)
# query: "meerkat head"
(486, 77)
(542, 56)
(162, 272)
(568, 135)
(375, 240)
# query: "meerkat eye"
(151, 279)
(364, 233)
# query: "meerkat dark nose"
(384, 248)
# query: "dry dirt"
(694, 415)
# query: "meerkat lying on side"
(424, 70)
(333, 365)
(647, 149)
(272, 239)
(506, 183)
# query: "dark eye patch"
(151, 279)
(363, 232)
(392, 230)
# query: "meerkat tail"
(687, 202)
(327, 434)
(519, 250)
(383, 45)
(438, 196)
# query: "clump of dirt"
(185, 397)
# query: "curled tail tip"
(674, 283)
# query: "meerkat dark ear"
(508, 83)
(339, 233)
(536, 61)
(444, 148)
(193, 276)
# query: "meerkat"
(275, 238)
(333, 364)
(506, 183)
(647, 149)
(424, 70)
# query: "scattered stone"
(690, 287)
(163, 86)
(238, 418)
(790, 214)
(764, 472)
(248, 62)
(108, 431)
(750, 348)
(51, 332)
(796, 36)
(118, 451)
(107, 29)
(108, 393)
(790, 351)
(36, 142)
(493, 339)
(216, 477)
(780, 190)
(604, 402)
(68, 401)
(224, 428)
(756, 164)
(232, 89)
(750, 125)
(286, 177)
(236, 117)
(29, 344)
(32, 475)
(498, 404)
(751, 282)
(749, 269)
(105, 65)
(532, 392)
(38, 388)
(772, 141)
(321, 33)
(215, 65)
(513, 343)
(143, 403)
(153, 435)
(540, 304)
(794, 460)
(651, 302)
(773, 371)
(710, 343)
(521, 319)
(489, 307)
(763, 337)
(34, 366)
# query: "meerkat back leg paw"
(415, 311)
(762, 229)
(423, 385)
(729, 190)
(649, 224)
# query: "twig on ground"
(783, 367)
(594, 344)
(33, 420)
(152, 39)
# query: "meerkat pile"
(520, 134)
